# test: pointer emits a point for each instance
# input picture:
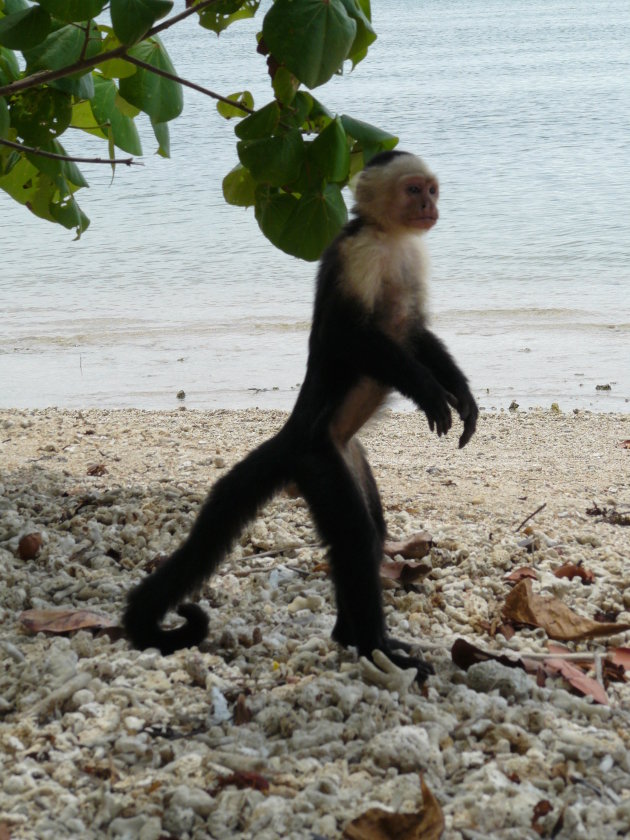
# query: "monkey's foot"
(381, 669)
(424, 669)
(387, 647)
(398, 644)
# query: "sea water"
(521, 108)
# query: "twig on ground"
(531, 516)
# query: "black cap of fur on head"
(383, 158)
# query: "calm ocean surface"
(522, 108)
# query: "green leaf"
(160, 98)
(273, 160)
(365, 36)
(311, 37)
(59, 171)
(106, 107)
(43, 195)
(83, 118)
(162, 135)
(126, 108)
(331, 153)
(244, 97)
(8, 159)
(132, 19)
(73, 10)
(68, 213)
(299, 109)
(24, 29)
(63, 48)
(218, 16)
(304, 226)
(5, 120)
(19, 180)
(40, 114)
(370, 138)
(285, 85)
(12, 6)
(81, 88)
(239, 188)
(114, 68)
(9, 67)
(261, 124)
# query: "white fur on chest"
(386, 273)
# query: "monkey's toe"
(424, 669)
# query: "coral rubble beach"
(269, 730)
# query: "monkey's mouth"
(423, 222)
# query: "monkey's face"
(416, 201)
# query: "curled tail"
(232, 503)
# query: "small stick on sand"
(531, 516)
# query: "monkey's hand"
(435, 404)
(464, 403)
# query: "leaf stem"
(46, 76)
(32, 150)
(159, 72)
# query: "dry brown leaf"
(5, 832)
(620, 656)
(612, 672)
(378, 824)
(570, 570)
(64, 621)
(29, 546)
(321, 567)
(610, 615)
(464, 655)
(506, 630)
(557, 649)
(577, 678)
(613, 669)
(541, 809)
(242, 779)
(558, 620)
(242, 712)
(414, 547)
(403, 571)
(522, 573)
(97, 469)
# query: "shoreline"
(82, 711)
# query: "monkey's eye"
(433, 189)
(413, 189)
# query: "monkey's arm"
(377, 355)
(429, 350)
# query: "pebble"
(490, 676)
(105, 741)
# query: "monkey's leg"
(232, 503)
(359, 464)
(365, 477)
(355, 546)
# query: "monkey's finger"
(453, 400)
(447, 419)
(469, 430)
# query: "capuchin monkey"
(369, 337)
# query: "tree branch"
(54, 156)
(46, 76)
(159, 72)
